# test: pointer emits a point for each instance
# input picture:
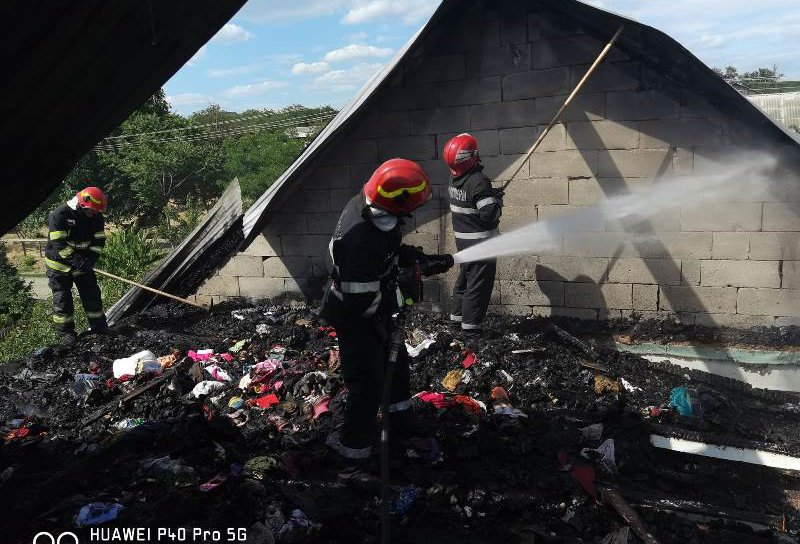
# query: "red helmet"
(461, 154)
(398, 186)
(92, 198)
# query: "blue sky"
(274, 53)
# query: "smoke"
(745, 177)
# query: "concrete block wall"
(501, 76)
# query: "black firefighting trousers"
(364, 347)
(63, 307)
(471, 294)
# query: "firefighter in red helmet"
(475, 208)
(76, 239)
(365, 257)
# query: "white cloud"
(358, 36)
(189, 99)
(197, 56)
(233, 71)
(344, 80)
(408, 11)
(310, 68)
(231, 33)
(254, 89)
(357, 51)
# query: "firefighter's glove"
(436, 264)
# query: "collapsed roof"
(76, 70)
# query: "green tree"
(15, 294)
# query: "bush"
(15, 294)
(129, 254)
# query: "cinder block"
(479, 31)
(439, 120)
(573, 269)
(640, 105)
(635, 163)
(295, 223)
(287, 267)
(517, 216)
(744, 216)
(432, 69)
(351, 151)
(328, 177)
(510, 309)
(429, 218)
(741, 274)
(519, 113)
(340, 198)
(585, 107)
(428, 242)
(553, 81)
(785, 321)
(694, 106)
(304, 201)
(520, 140)
(521, 268)
(683, 161)
(497, 61)
(564, 164)
(242, 265)
(735, 321)
(261, 288)
(675, 245)
(774, 302)
(573, 218)
(503, 167)
(590, 191)
(305, 245)
(407, 147)
(470, 91)
(221, 286)
(309, 288)
(730, 245)
(766, 246)
(322, 223)
(781, 216)
(691, 272)
(645, 297)
(664, 133)
(410, 97)
(564, 51)
(544, 293)
(513, 24)
(488, 143)
(603, 135)
(592, 244)
(590, 295)
(650, 271)
(790, 277)
(682, 298)
(665, 221)
(616, 76)
(383, 124)
(260, 247)
(532, 192)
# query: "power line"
(204, 125)
(208, 135)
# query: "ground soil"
(499, 479)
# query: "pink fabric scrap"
(469, 360)
(201, 354)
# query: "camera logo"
(49, 538)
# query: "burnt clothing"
(63, 306)
(471, 294)
(475, 207)
(75, 242)
(363, 258)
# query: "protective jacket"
(475, 206)
(363, 261)
(75, 241)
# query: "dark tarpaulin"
(190, 263)
(75, 69)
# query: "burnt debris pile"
(187, 420)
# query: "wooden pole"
(146, 288)
(569, 100)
